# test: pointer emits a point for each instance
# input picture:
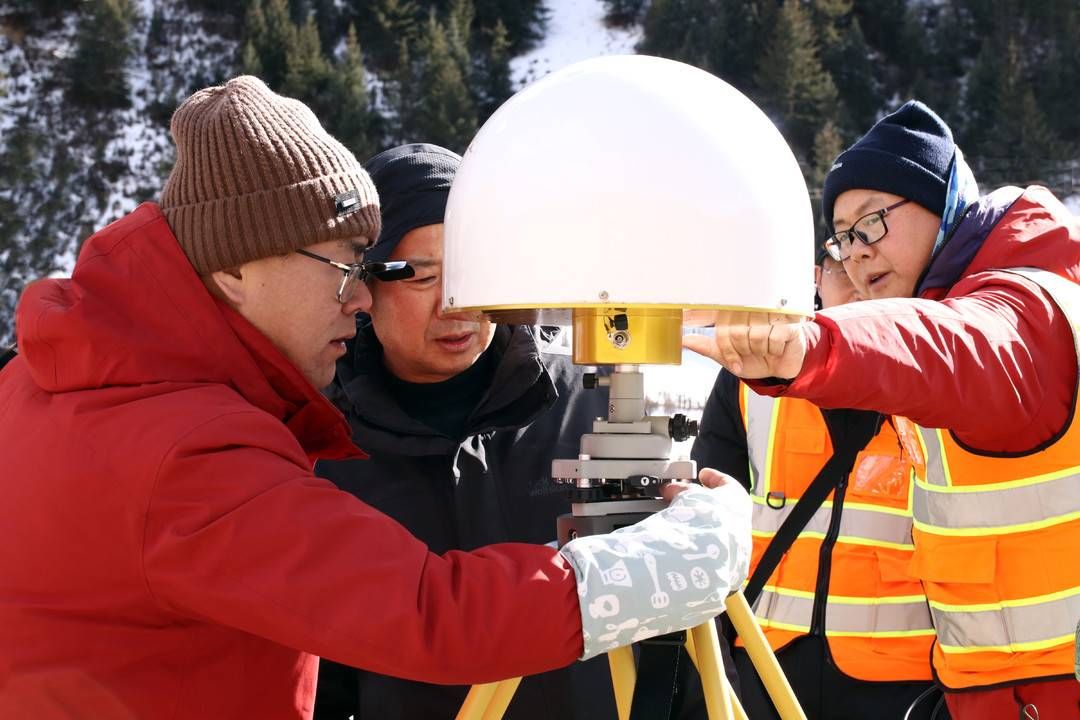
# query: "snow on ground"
(1073, 203)
(575, 31)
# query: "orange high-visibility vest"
(876, 620)
(997, 543)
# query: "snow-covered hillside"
(82, 170)
(575, 31)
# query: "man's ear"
(228, 285)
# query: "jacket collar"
(953, 258)
(521, 389)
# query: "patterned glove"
(668, 572)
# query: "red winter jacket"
(166, 551)
(984, 353)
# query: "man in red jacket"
(167, 551)
(971, 331)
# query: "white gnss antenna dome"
(624, 195)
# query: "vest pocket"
(880, 476)
(959, 576)
(894, 566)
(958, 560)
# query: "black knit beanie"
(413, 182)
(908, 153)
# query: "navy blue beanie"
(907, 153)
(413, 183)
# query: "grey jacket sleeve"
(668, 572)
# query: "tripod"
(616, 482)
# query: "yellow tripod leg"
(623, 678)
(476, 701)
(711, 669)
(500, 700)
(736, 706)
(739, 713)
(719, 697)
(488, 701)
(757, 647)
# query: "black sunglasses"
(356, 272)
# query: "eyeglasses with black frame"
(356, 272)
(868, 229)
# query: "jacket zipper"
(821, 591)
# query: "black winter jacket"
(492, 485)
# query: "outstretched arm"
(994, 362)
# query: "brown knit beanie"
(256, 176)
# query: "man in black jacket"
(461, 419)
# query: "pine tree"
(827, 145)
(622, 13)
(747, 25)
(724, 37)
(845, 55)
(157, 35)
(684, 30)
(39, 8)
(794, 86)
(96, 72)
(271, 32)
(496, 83)
(307, 71)
(392, 22)
(254, 31)
(228, 8)
(1058, 77)
(459, 22)
(951, 43)
(892, 27)
(299, 11)
(441, 110)
(524, 20)
(250, 64)
(400, 93)
(1020, 131)
(351, 119)
(982, 95)
(329, 19)
(852, 70)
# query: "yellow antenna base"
(627, 336)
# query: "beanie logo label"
(346, 203)
(836, 166)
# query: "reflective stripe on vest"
(859, 523)
(904, 616)
(1027, 504)
(760, 419)
(955, 506)
(995, 627)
